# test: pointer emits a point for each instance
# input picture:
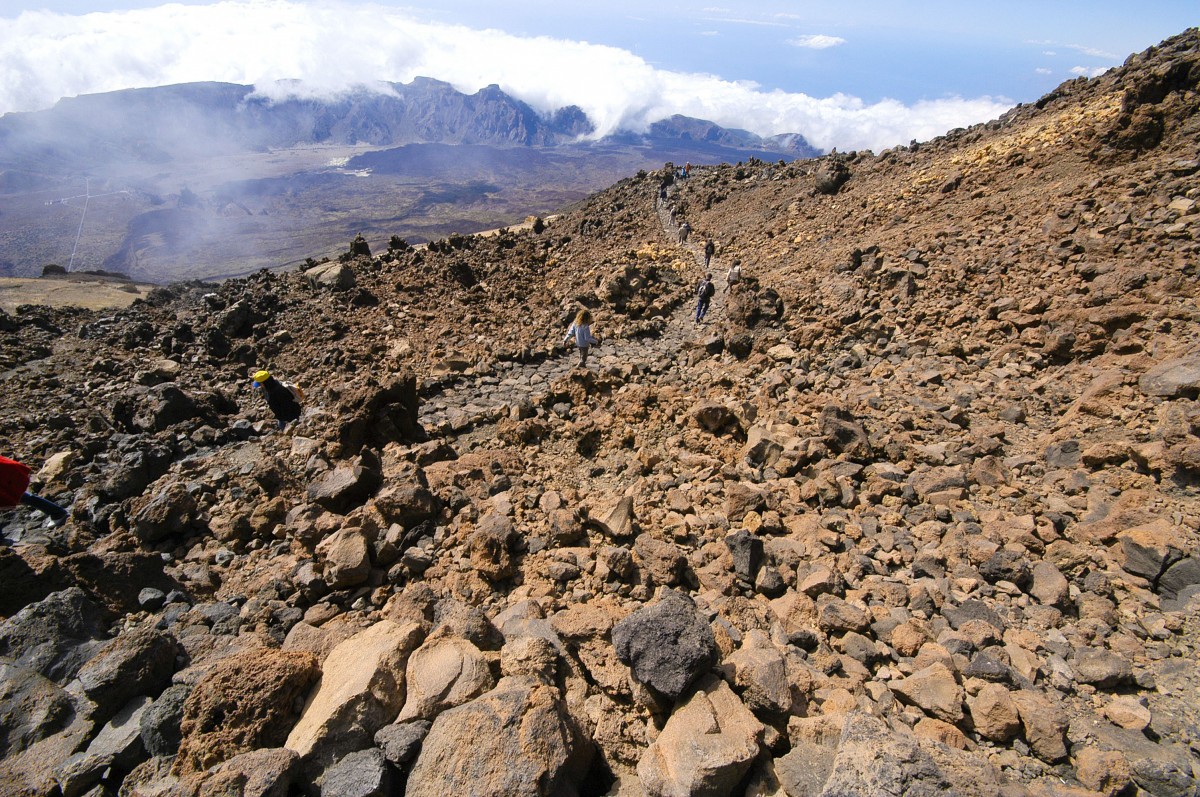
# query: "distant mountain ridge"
(206, 180)
(203, 119)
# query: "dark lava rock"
(667, 644)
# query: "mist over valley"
(210, 180)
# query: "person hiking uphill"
(580, 332)
(283, 399)
(710, 249)
(704, 294)
(14, 484)
(734, 276)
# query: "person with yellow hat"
(284, 400)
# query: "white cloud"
(1092, 51)
(1041, 70)
(1082, 49)
(331, 47)
(816, 41)
(1086, 71)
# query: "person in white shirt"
(580, 332)
(734, 276)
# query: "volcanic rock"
(247, 702)
(921, 490)
(667, 645)
(523, 742)
(360, 690)
(706, 746)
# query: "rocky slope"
(915, 512)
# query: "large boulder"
(248, 701)
(169, 512)
(516, 739)
(662, 563)
(407, 504)
(162, 721)
(1173, 379)
(334, 276)
(706, 746)
(1151, 549)
(239, 319)
(32, 707)
(761, 674)
(843, 432)
(364, 773)
(267, 772)
(115, 579)
(442, 674)
(873, 761)
(1044, 723)
(347, 486)
(667, 644)
(34, 772)
(54, 636)
(491, 547)
(1102, 668)
(831, 175)
(26, 576)
(381, 414)
(934, 690)
(158, 408)
(749, 304)
(994, 714)
(346, 558)
(361, 690)
(118, 745)
(139, 662)
(401, 741)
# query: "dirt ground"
(90, 294)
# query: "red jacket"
(14, 480)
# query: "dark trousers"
(49, 507)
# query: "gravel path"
(486, 398)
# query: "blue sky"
(851, 74)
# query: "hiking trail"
(477, 399)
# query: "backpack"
(14, 480)
(707, 289)
(297, 393)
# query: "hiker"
(734, 276)
(580, 332)
(710, 249)
(704, 294)
(14, 484)
(283, 399)
(684, 229)
(687, 169)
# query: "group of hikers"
(579, 334)
(286, 400)
(706, 290)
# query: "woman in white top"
(734, 275)
(581, 332)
